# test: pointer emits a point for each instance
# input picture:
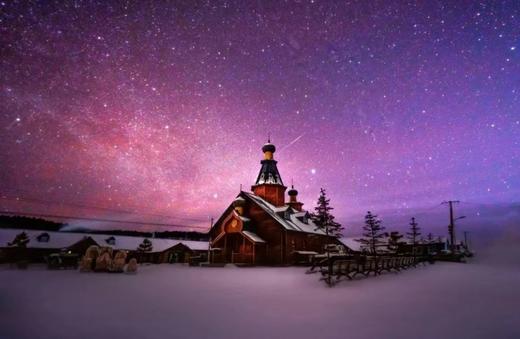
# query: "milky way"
(163, 108)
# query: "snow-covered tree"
(372, 234)
(413, 234)
(145, 246)
(21, 240)
(323, 218)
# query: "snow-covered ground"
(446, 300)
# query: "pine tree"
(20, 249)
(372, 234)
(413, 234)
(323, 219)
(21, 240)
(145, 246)
(393, 241)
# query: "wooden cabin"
(262, 227)
(423, 248)
(39, 245)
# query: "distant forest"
(29, 223)
(48, 225)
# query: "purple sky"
(163, 109)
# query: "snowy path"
(167, 301)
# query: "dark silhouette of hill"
(29, 223)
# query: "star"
(397, 107)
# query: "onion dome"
(268, 148)
(292, 192)
(239, 202)
(269, 172)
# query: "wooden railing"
(334, 268)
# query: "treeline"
(374, 239)
(187, 235)
(28, 223)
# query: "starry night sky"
(163, 108)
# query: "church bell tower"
(269, 185)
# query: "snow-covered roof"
(66, 239)
(130, 243)
(292, 224)
(351, 243)
(354, 245)
(425, 241)
(252, 236)
(244, 219)
(195, 245)
(306, 252)
(56, 239)
(269, 178)
(281, 208)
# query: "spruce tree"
(145, 246)
(20, 249)
(323, 218)
(413, 235)
(21, 240)
(372, 234)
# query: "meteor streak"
(291, 143)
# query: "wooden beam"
(281, 247)
(225, 249)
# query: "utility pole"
(451, 227)
(209, 240)
(466, 240)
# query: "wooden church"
(262, 228)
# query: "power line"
(49, 202)
(19, 213)
(425, 210)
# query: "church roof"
(292, 223)
(269, 173)
(252, 236)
